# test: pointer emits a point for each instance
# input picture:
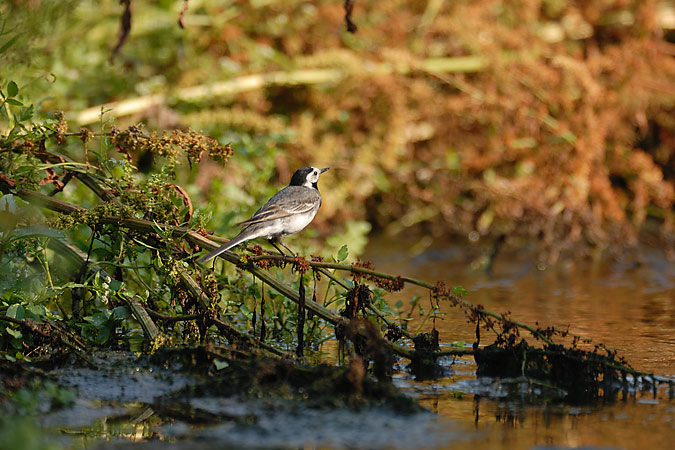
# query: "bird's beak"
(324, 169)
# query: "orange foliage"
(567, 135)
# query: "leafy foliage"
(553, 123)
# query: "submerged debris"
(584, 376)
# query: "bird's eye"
(315, 172)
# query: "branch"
(309, 76)
(285, 289)
(46, 330)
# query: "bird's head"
(307, 176)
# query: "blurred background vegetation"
(532, 120)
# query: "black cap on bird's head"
(307, 176)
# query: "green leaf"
(9, 43)
(27, 113)
(12, 89)
(35, 231)
(13, 101)
(102, 253)
(103, 335)
(459, 290)
(116, 285)
(97, 319)
(120, 313)
(8, 203)
(343, 253)
(220, 365)
(14, 333)
(16, 311)
(37, 311)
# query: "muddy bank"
(181, 397)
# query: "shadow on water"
(628, 307)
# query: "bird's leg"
(282, 244)
(273, 242)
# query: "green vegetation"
(536, 120)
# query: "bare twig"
(125, 28)
(351, 26)
(181, 16)
(47, 330)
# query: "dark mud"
(180, 400)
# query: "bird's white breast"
(296, 222)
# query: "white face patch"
(312, 177)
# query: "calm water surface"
(628, 307)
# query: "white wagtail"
(288, 211)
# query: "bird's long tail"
(238, 239)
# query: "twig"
(230, 330)
(125, 28)
(168, 318)
(285, 289)
(365, 271)
(372, 307)
(45, 330)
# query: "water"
(628, 307)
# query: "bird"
(288, 211)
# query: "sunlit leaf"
(220, 365)
(459, 290)
(14, 333)
(343, 253)
(8, 203)
(16, 311)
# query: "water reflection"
(628, 307)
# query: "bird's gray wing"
(287, 202)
